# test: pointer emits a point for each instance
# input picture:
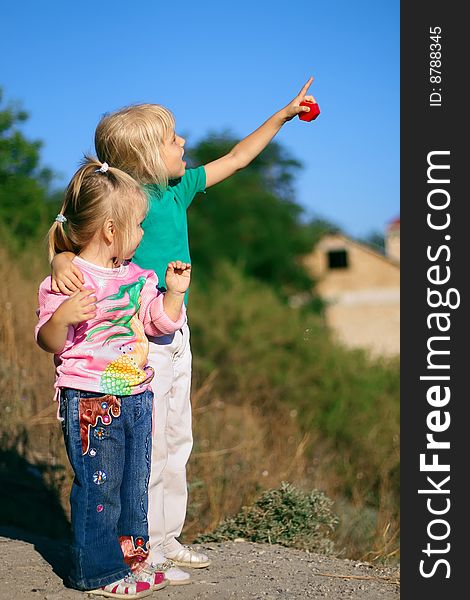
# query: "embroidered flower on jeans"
(99, 477)
(99, 433)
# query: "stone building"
(361, 289)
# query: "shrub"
(285, 516)
(269, 355)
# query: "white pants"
(172, 439)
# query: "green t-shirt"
(166, 226)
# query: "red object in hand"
(312, 113)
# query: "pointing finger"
(303, 91)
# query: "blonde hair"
(131, 140)
(92, 197)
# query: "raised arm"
(245, 151)
(164, 313)
(177, 279)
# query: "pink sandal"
(125, 588)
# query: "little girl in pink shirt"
(98, 336)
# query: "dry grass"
(26, 371)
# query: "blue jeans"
(108, 440)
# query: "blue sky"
(222, 66)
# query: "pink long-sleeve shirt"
(109, 352)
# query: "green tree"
(26, 201)
(376, 241)
(319, 227)
(251, 219)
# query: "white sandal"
(188, 557)
(173, 574)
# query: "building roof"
(364, 247)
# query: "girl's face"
(172, 154)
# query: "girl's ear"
(109, 231)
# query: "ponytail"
(95, 193)
(58, 240)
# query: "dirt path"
(32, 568)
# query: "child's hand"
(178, 276)
(76, 309)
(66, 277)
(294, 108)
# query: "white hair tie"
(104, 167)
(61, 218)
